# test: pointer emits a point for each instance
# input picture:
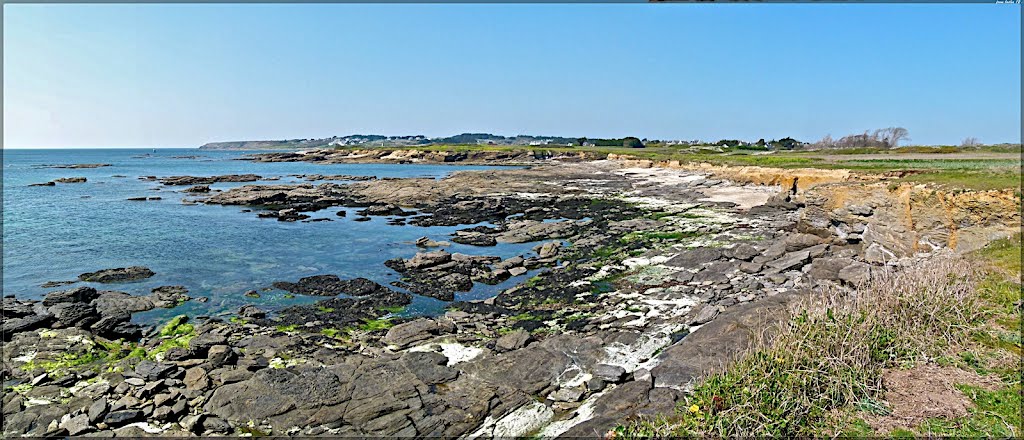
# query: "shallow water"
(56, 233)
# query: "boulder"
(406, 334)
(512, 341)
(251, 312)
(548, 250)
(73, 314)
(796, 242)
(793, 260)
(703, 314)
(828, 268)
(151, 370)
(78, 294)
(743, 251)
(118, 418)
(424, 260)
(196, 379)
(856, 273)
(609, 373)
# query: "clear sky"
(182, 75)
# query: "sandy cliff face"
(901, 220)
(891, 220)
(799, 178)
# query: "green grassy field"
(974, 168)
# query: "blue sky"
(183, 75)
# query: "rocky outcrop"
(891, 222)
(117, 275)
(194, 180)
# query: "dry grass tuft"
(831, 355)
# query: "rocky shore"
(647, 278)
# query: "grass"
(527, 316)
(657, 236)
(287, 328)
(993, 416)
(822, 370)
(974, 174)
(371, 325)
(334, 333)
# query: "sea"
(55, 233)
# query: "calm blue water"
(56, 233)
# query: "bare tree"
(825, 142)
(892, 136)
(970, 142)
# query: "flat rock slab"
(117, 275)
(711, 347)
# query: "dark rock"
(201, 343)
(856, 273)
(474, 239)
(117, 275)
(17, 325)
(175, 354)
(76, 425)
(429, 367)
(512, 341)
(220, 355)
(193, 180)
(609, 373)
(796, 242)
(424, 260)
(81, 165)
(73, 314)
(385, 209)
(695, 257)
(331, 285)
(118, 418)
(251, 311)
(718, 272)
(595, 385)
(197, 189)
(828, 268)
(792, 260)
(702, 314)
(152, 370)
(13, 308)
(743, 251)
(215, 425)
(196, 379)
(71, 180)
(406, 334)
(169, 296)
(702, 351)
(51, 284)
(97, 410)
(78, 294)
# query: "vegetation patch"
(371, 325)
(821, 372)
